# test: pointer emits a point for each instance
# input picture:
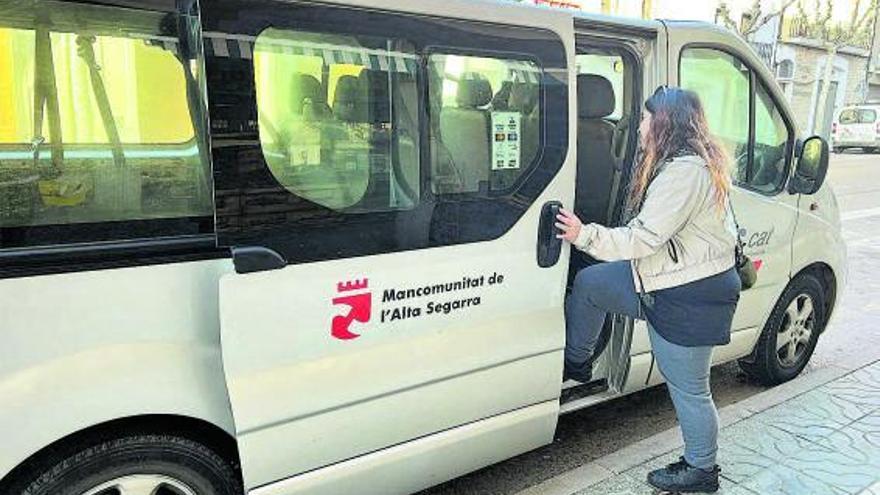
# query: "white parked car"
(857, 127)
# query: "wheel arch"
(826, 276)
(209, 434)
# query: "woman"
(673, 264)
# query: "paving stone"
(861, 446)
(763, 438)
(871, 490)
(782, 480)
(813, 415)
(739, 464)
(869, 423)
(618, 485)
(861, 387)
(837, 467)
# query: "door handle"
(549, 246)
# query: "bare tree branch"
(769, 17)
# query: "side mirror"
(812, 166)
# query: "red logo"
(360, 307)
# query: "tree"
(752, 19)
(832, 36)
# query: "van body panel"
(153, 348)
(819, 237)
(435, 458)
(303, 400)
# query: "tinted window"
(487, 133)
(324, 103)
(387, 140)
(96, 126)
(723, 85)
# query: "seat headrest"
(306, 89)
(595, 97)
(348, 100)
(474, 91)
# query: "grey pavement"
(824, 438)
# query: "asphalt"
(594, 433)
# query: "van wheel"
(790, 334)
(139, 465)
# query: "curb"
(657, 445)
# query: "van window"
(399, 132)
(487, 126)
(722, 83)
(867, 116)
(725, 85)
(849, 117)
(112, 136)
(327, 118)
(771, 144)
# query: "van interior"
(608, 117)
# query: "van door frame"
(627, 355)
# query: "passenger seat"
(465, 131)
(595, 160)
(309, 98)
(349, 100)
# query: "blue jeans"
(609, 287)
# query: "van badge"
(360, 308)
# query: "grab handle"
(549, 246)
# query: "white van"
(284, 247)
(857, 127)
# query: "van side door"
(388, 204)
(745, 113)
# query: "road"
(586, 435)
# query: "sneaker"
(681, 477)
(578, 372)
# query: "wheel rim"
(142, 484)
(796, 331)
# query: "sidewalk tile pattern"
(823, 442)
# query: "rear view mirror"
(811, 168)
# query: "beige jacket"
(679, 236)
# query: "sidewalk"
(812, 436)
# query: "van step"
(577, 392)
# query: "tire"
(160, 464)
(797, 323)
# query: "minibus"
(294, 247)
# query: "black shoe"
(681, 477)
(578, 372)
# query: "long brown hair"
(678, 125)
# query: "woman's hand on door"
(569, 225)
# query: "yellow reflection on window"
(145, 84)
